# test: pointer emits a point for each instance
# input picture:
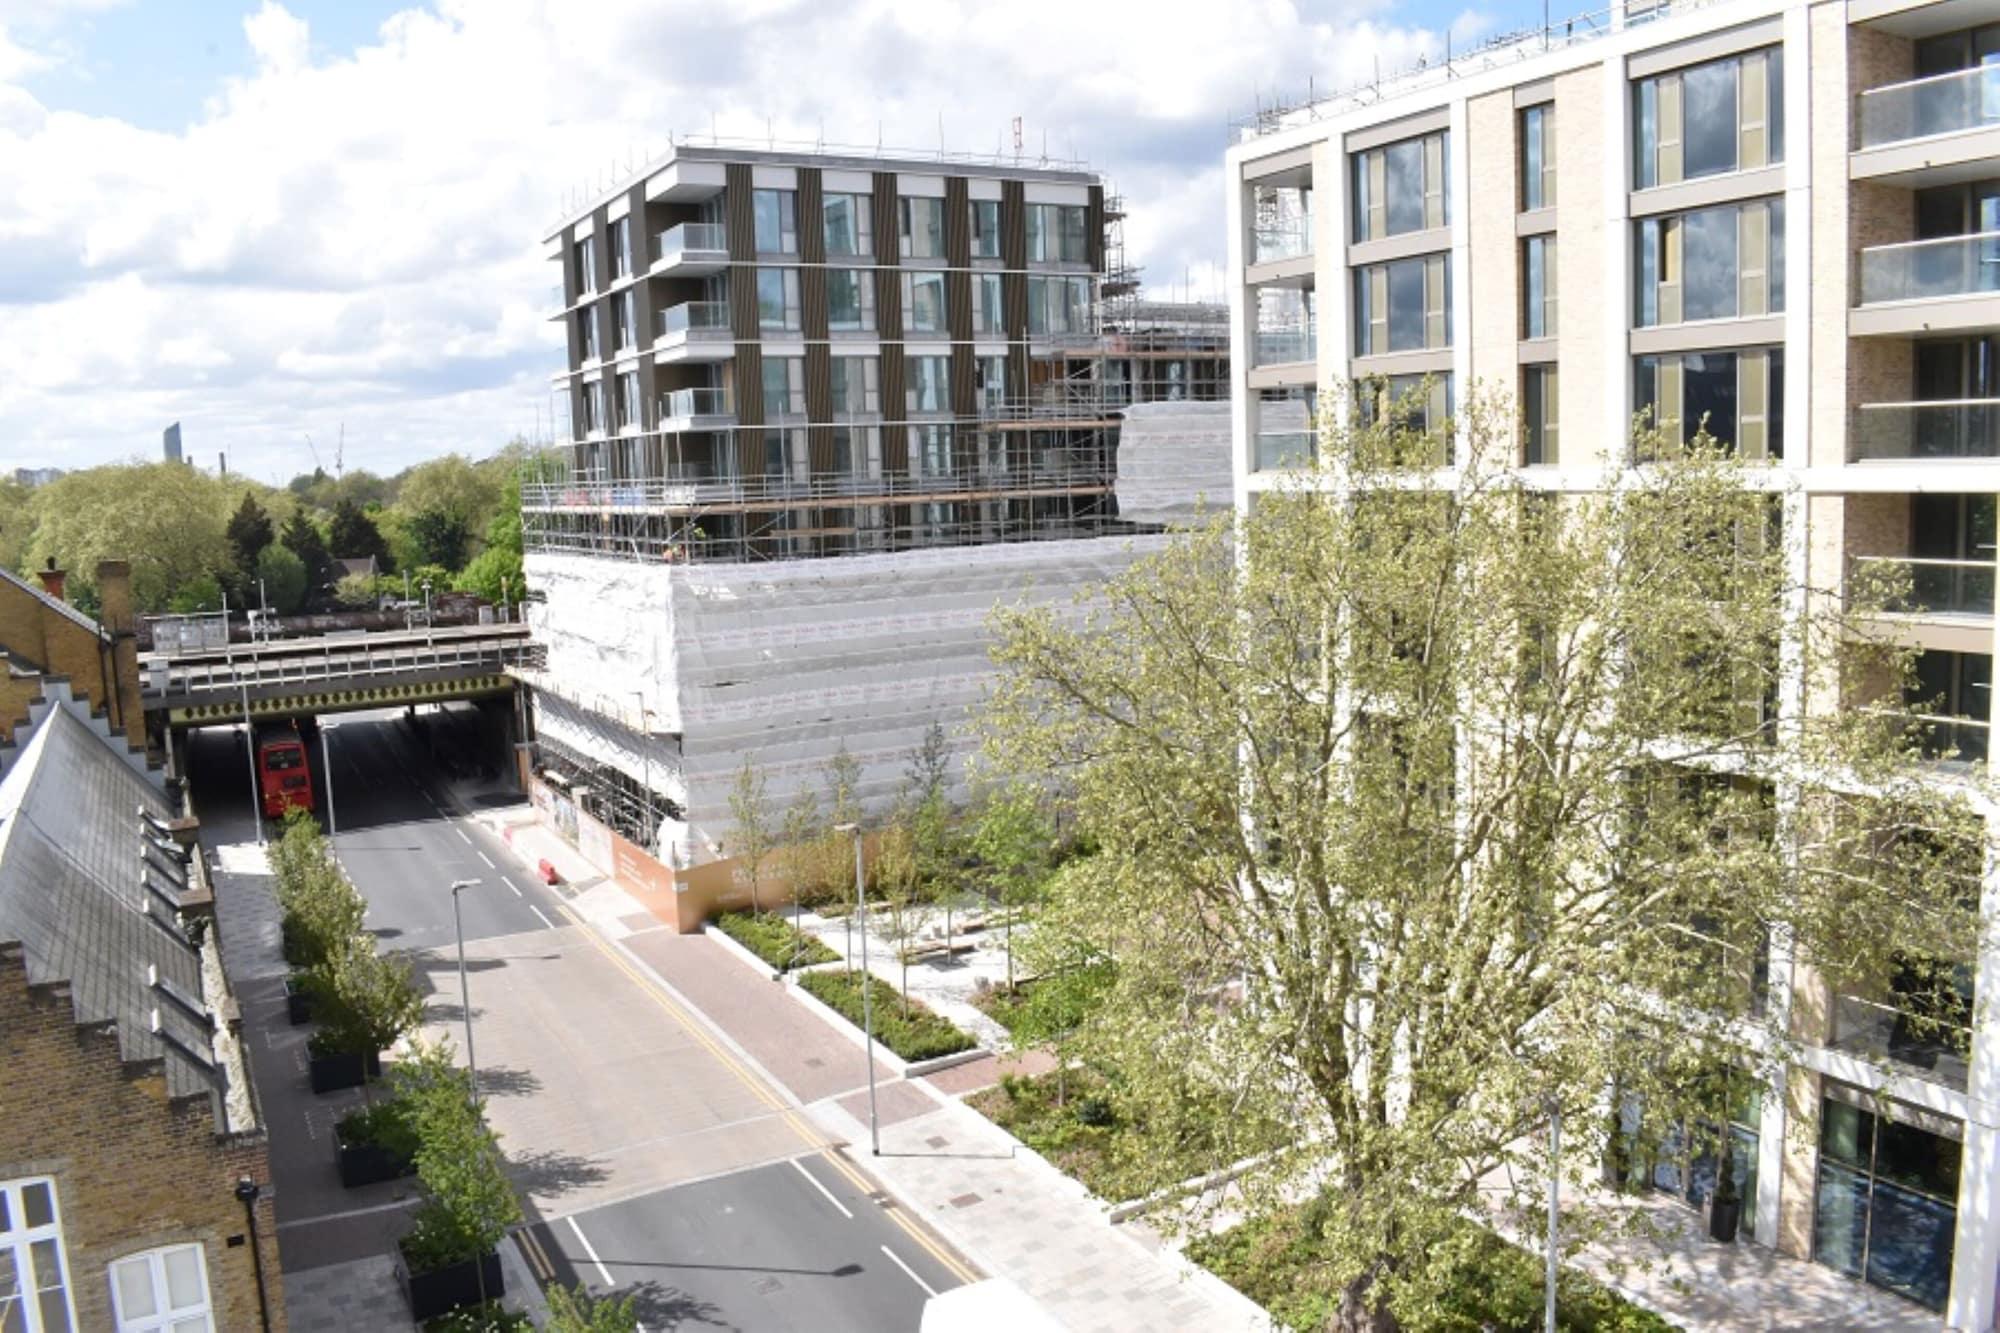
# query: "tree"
(452, 486)
(301, 536)
(899, 877)
(576, 1310)
(1426, 807)
(438, 537)
(201, 593)
(493, 574)
(753, 837)
(1073, 980)
(249, 532)
(801, 837)
(168, 520)
(842, 774)
(352, 535)
(365, 1000)
(283, 578)
(930, 766)
(1013, 839)
(468, 1201)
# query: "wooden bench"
(918, 953)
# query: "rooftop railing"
(694, 486)
(1928, 270)
(1963, 99)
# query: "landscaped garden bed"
(774, 939)
(1080, 1133)
(904, 1026)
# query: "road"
(649, 1160)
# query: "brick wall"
(132, 1172)
(40, 636)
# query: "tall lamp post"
(867, 990)
(459, 886)
(326, 767)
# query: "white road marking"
(488, 860)
(591, 1250)
(468, 838)
(822, 1189)
(510, 884)
(929, 1290)
(538, 912)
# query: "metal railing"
(696, 486)
(682, 403)
(677, 241)
(1944, 428)
(1928, 270)
(1948, 587)
(1963, 99)
(1277, 450)
(692, 317)
(1282, 347)
(1964, 739)
(1288, 240)
(1931, 1047)
(338, 661)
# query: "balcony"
(690, 250)
(1931, 1048)
(693, 331)
(1277, 451)
(1285, 347)
(697, 409)
(1931, 270)
(1272, 243)
(1945, 429)
(1935, 587)
(1926, 131)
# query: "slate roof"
(72, 890)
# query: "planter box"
(446, 1289)
(331, 1073)
(369, 1163)
(298, 1002)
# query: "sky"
(316, 225)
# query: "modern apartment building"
(1777, 217)
(826, 412)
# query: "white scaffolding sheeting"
(609, 629)
(1174, 461)
(653, 760)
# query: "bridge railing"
(338, 663)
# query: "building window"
(628, 400)
(776, 214)
(586, 332)
(784, 386)
(1736, 398)
(987, 316)
(856, 385)
(162, 1291)
(1538, 157)
(1538, 287)
(985, 228)
(923, 227)
(1281, 221)
(1955, 692)
(621, 249)
(34, 1284)
(857, 450)
(930, 450)
(990, 382)
(1058, 306)
(778, 298)
(593, 407)
(1725, 115)
(1712, 263)
(1057, 234)
(622, 306)
(1539, 403)
(1886, 1209)
(923, 303)
(1401, 187)
(850, 300)
(1670, 1159)
(845, 222)
(929, 388)
(583, 259)
(1420, 403)
(1403, 306)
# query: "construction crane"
(339, 452)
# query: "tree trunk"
(1354, 1314)
(1010, 952)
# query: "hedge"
(774, 939)
(904, 1026)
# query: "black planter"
(369, 1163)
(298, 1002)
(1723, 1217)
(443, 1290)
(331, 1073)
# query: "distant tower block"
(170, 443)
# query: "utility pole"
(867, 990)
(459, 886)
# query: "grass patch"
(1491, 1284)
(904, 1026)
(774, 939)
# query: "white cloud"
(357, 239)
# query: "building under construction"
(827, 412)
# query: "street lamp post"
(1555, 1215)
(250, 754)
(326, 766)
(867, 990)
(458, 886)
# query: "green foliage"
(167, 519)
(320, 910)
(437, 537)
(465, 494)
(576, 1310)
(352, 535)
(249, 532)
(468, 1201)
(904, 1026)
(389, 1124)
(774, 939)
(301, 536)
(494, 574)
(283, 577)
(488, 1317)
(365, 1001)
(201, 593)
(1081, 1134)
(752, 838)
(355, 592)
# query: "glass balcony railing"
(1963, 739)
(1281, 347)
(1932, 1048)
(1285, 240)
(1927, 270)
(1964, 99)
(1949, 428)
(682, 403)
(674, 242)
(1278, 450)
(1943, 587)
(697, 317)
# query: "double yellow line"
(814, 1140)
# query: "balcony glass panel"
(1964, 99)
(1277, 450)
(1954, 428)
(676, 241)
(1926, 270)
(692, 317)
(1948, 587)
(1281, 346)
(699, 403)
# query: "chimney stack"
(114, 595)
(53, 579)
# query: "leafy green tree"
(899, 880)
(1073, 982)
(576, 1310)
(200, 593)
(801, 839)
(452, 486)
(301, 536)
(842, 776)
(493, 574)
(249, 532)
(1414, 822)
(169, 521)
(355, 592)
(352, 535)
(283, 579)
(468, 1201)
(754, 836)
(1013, 840)
(365, 1000)
(438, 537)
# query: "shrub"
(575, 1310)
(468, 1201)
(321, 909)
(904, 1026)
(390, 1125)
(364, 1001)
(492, 1317)
(774, 939)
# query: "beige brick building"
(1778, 216)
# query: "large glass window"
(583, 260)
(1403, 306)
(621, 249)
(1538, 287)
(1058, 306)
(1540, 401)
(162, 1291)
(987, 316)
(923, 303)
(856, 385)
(1419, 402)
(778, 298)
(985, 228)
(622, 319)
(593, 407)
(776, 213)
(1956, 691)
(923, 227)
(844, 221)
(1724, 115)
(1056, 234)
(1401, 187)
(1887, 1206)
(930, 450)
(34, 1283)
(1538, 157)
(586, 332)
(1712, 263)
(1685, 1161)
(628, 400)
(990, 382)
(1737, 398)
(929, 386)
(784, 386)
(850, 300)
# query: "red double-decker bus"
(283, 780)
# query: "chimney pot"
(52, 579)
